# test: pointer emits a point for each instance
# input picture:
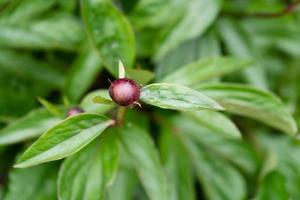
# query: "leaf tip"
(121, 70)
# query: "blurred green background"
(50, 49)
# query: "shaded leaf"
(235, 151)
(206, 10)
(206, 69)
(31, 125)
(141, 76)
(42, 181)
(53, 109)
(273, 187)
(21, 11)
(27, 67)
(110, 32)
(217, 186)
(207, 45)
(216, 122)
(55, 32)
(64, 139)
(177, 166)
(82, 74)
(88, 104)
(124, 186)
(238, 44)
(177, 97)
(102, 100)
(251, 102)
(142, 151)
(156, 13)
(93, 167)
(19, 95)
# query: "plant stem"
(120, 115)
(290, 8)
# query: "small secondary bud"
(124, 91)
(74, 111)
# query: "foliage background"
(51, 49)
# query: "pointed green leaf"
(238, 43)
(216, 122)
(64, 139)
(252, 102)
(233, 150)
(176, 97)
(86, 67)
(31, 125)
(25, 66)
(177, 166)
(59, 31)
(102, 100)
(124, 186)
(273, 187)
(141, 76)
(88, 104)
(191, 51)
(205, 10)
(217, 186)
(141, 149)
(156, 13)
(205, 69)
(20, 11)
(33, 183)
(49, 106)
(110, 32)
(94, 167)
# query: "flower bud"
(124, 91)
(74, 111)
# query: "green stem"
(120, 115)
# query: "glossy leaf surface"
(64, 139)
(176, 97)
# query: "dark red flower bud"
(74, 111)
(124, 91)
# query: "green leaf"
(207, 45)
(206, 10)
(22, 11)
(20, 95)
(252, 102)
(110, 32)
(176, 97)
(94, 167)
(216, 122)
(141, 149)
(217, 186)
(233, 150)
(56, 32)
(88, 104)
(124, 186)
(25, 66)
(34, 183)
(206, 69)
(53, 109)
(86, 67)
(156, 13)
(126, 181)
(64, 139)
(285, 152)
(273, 187)
(31, 125)
(102, 100)
(238, 43)
(141, 76)
(177, 166)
